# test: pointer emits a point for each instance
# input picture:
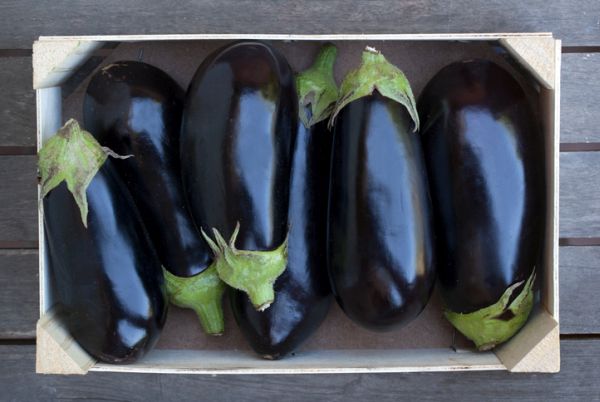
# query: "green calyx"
(72, 155)
(202, 293)
(253, 272)
(376, 73)
(317, 88)
(495, 324)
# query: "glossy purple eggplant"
(239, 125)
(135, 109)
(303, 294)
(380, 242)
(485, 155)
(107, 279)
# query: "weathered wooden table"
(577, 23)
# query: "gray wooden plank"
(579, 283)
(19, 299)
(24, 20)
(578, 380)
(580, 101)
(580, 98)
(17, 102)
(579, 194)
(18, 198)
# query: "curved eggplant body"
(485, 157)
(239, 125)
(303, 294)
(135, 109)
(108, 279)
(380, 246)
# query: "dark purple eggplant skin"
(484, 151)
(380, 240)
(238, 129)
(107, 279)
(135, 109)
(303, 294)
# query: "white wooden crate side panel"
(310, 362)
(355, 36)
(49, 120)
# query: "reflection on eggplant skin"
(380, 237)
(239, 125)
(485, 157)
(135, 109)
(303, 294)
(107, 273)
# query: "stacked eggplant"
(282, 190)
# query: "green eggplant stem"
(376, 73)
(202, 293)
(253, 272)
(317, 89)
(72, 155)
(489, 326)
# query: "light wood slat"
(17, 102)
(578, 380)
(24, 20)
(19, 300)
(580, 97)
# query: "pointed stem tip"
(253, 272)
(317, 89)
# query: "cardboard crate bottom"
(534, 349)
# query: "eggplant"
(106, 276)
(380, 238)
(135, 109)
(238, 128)
(303, 294)
(484, 151)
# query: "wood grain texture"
(17, 102)
(576, 381)
(18, 198)
(580, 121)
(579, 194)
(579, 283)
(24, 20)
(580, 97)
(19, 301)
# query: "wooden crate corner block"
(536, 348)
(537, 54)
(56, 351)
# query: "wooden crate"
(534, 349)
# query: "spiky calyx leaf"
(376, 73)
(317, 89)
(202, 293)
(253, 272)
(72, 155)
(495, 324)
